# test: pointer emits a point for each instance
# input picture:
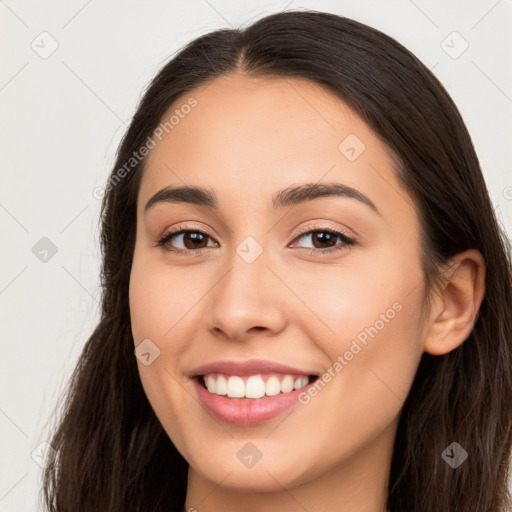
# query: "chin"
(263, 479)
(270, 473)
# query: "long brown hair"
(112, 452)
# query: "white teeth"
(254, 386)
(287, 384)
(210, 384)
(221, 386)
(236, 387)
(273, 386)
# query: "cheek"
(361, 394)
(160, 299)
(369, 331)
(157, 303)
(372, 295)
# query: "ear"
(456, 304)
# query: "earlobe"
(456, 304)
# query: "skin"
(246, 139)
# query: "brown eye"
(324, 240)
(191, 241)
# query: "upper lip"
(252, 367)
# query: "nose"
(248, 298)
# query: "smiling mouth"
(253, 387)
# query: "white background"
(63, 116)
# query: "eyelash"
(347, 240)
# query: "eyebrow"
(287, 197)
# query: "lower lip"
(246, 411)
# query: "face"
(299, 313)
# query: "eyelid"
(317, 227)
(180, 229)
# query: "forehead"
(247, 137)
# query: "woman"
(234, 367)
